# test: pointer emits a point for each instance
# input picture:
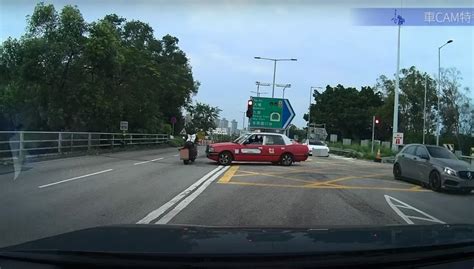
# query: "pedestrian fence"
(24, 144)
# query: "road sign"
(271, 113)
(397, 139)
(123, 125)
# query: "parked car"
(319, 145)
(258, 147)
(435, 167)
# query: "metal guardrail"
(21, 144)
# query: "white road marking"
(176, 155)
(154, 160)
(74, 178)
(343, 158)
(408, 218)
(183, 204)
(161, 210)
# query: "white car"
(317, 145)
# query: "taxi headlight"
(211, 149)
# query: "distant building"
(233, 127)
(217, 122)
(224, 123)
(221, 131)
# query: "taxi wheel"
(225, 158)
(435, 181)
(286, 159)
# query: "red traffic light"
(377, 120)
(249, 109)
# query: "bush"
(176, 142)
(363, 152)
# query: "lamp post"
(399, 20)
(309, 114)
(284, 86)
(274, 68)
(258, 83)
(439, 91)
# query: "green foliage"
(67, 74)
(294, 131)
(363, 152)
(176, 142)
(203, 118)
(348, 112)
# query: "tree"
(203, 118)
(67, 74)
(346, 111)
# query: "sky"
(221, 39)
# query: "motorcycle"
(188, 152)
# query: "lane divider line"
(74, 178)
(154, 160)
(183, 204)
(407, 218)
(161, 210)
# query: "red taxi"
(258, 147)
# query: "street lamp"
(309, 114)
(274, 68)
(439, 90)
(399, 20)
(258, 83)
(284, 86)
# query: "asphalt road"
(154, 187)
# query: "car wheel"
(435, 181)
(225, 158)
(186, 161)
(397, 171)
(286, 159)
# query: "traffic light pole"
(373, 133)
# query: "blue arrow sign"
(288, 114)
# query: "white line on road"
(158, 212)
(74, 178)
(166, 218)
(408, 218)
(154, 160)
(176, 155)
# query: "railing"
(21, 144)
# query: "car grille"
(466, 174)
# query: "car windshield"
(166, 112)
(442, 153)
(242, 139)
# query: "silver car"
(435, 167)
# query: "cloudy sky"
(221, 39)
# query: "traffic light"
(249, 109)
(377, 120)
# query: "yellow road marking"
(416, 188)
(277, 176)
(329, 186)
(228, 174)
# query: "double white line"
(183, 199)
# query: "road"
(154, 187)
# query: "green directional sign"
(271, 113)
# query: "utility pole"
(399, 20)
(424, 110)
(373, 133)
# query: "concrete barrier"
(346, 141)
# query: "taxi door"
(273, 148)
(251, 150)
